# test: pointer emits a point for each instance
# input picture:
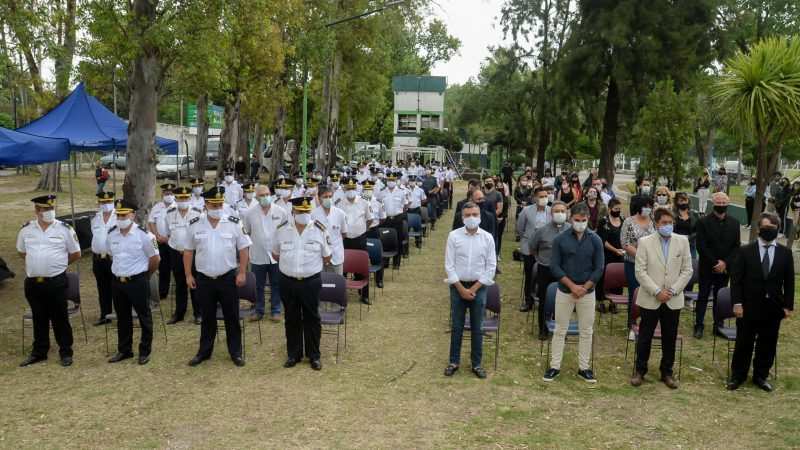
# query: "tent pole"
(114, 170)
(72, 205)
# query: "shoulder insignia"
(174, 208)
(197, 209)
(66, 224)
(319, 225)
(193, 221)
(112, 229)
(337, 201)
(143, 228)
(24, 225)
(282, 224)
(233, 219)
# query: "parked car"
(170, 166)
(212, 153)
(108, 160)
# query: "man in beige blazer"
(663, 269)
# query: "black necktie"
(765, 262)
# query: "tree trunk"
(50, 178)
(544, 142)
(201, 147)
(230, 134)
(64, 55)
(243, 143)
(278, 143)
(608, 142)
(258, 136)
(145, 83)
(329, 128)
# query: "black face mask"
(720, 209)
(489, 186)
(752, 182)
(615, 213)
(768, 234)
(683, 206)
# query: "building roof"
(419, 83)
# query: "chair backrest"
(695, 274)
(248, 291)
(404, 229)
(414, 222)
(375, 250)
(493, 303)
(334, 289)
(424, 213)
(356, 261)
(550, 300)
(73, 288)
(389, 239)
(614, 277)
(723, 307)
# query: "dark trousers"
(182, 291)
(133, 295)
(543, 279)
(164, 270)
(396, 222)
(101, 267)
(709, 283)
(633, 284)
(48, 302)
(210, 293)
(749, 204)
(359, 243)
(458, 309)
(761, 334)
(262, 272)
(302, 321)
(528, 261)
(650, 318)
(498, 240)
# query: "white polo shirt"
(301, 254)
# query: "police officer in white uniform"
(334, 221)
(217, 240)
(197, 200)
(154, 223)
(249, 199)
(301, 248)
(395, 202)
(48, 246)
(176, 226)
(105, 218)
(233, 190)
(134, 257)
(283, 192)
(356, 211)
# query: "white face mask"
(559, 218)
(298, 182)
(661, 199)
(646, 190)
(107, 207)
(472, 222)
(124, 224)
(229, 178)
(183, 205)
(248, 196)
(169, 199)
(302, 219)
(215, 213)
(351, 195)
(282, 193)
(550, 197)
(326, 203)
(48, 216)
(646, 211)
(391, 184)
(580, 227)
(197, 190)
(541, 201)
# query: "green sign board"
(215, 115)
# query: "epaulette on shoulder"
(143, 228)
(194, 221)
(25, 225)
(233, 219)
(174, 208)
(66, 224)
(338, 200)
(112, 229)
(319, 225)
(282, 224)
(197, 209)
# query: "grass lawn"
(388, 391)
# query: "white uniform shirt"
(301, 254)
(244, 205)
(335, 223)
(417, 196)
(394, 201)
(47, 251)
(262, 229)
(177, 226)
(376, 212)
(470, 257)
(338, 196)
(216, 248)
(100, 232)
(233, 192)
(357, 214)
(156, 215)
(197, 202)
(130, 254)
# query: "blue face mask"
(665, 230)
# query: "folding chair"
(635, 313)
(425, 220)
(491, 318)
(415, 229)
(333, 306)
(73, 295)
(247, 293)
(375, 250)
(356, 262)
(391, 245)
(549, 313)
(614, 280)
(404, 239)
(688, 294)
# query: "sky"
(476, 24)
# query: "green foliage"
(6, 121)
(448, 139)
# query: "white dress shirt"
(216, 248)
(233, 192)
(417, 197)
(394, 201)
(357, 214)
(47, 251)
(301, 254)
(244, 205)
(470, 257)
(156, 215)
(130, 253)
(335, 223)
(376, 212)
(197, 202)
(176, 226)
(262, 228)
(100, 232)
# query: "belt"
(40, 280)
(316, 275)
(128, 279)
(468, 283)
(101, 256)
(203, 276)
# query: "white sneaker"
(631, 336)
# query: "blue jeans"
(261, 271)
(630, 276)
(458, 308)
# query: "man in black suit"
(762, 292)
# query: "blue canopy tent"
(18, 149)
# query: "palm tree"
(758, 94)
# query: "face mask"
(720, 209)
(489, 186)
(472, 222)
(298, 181)
(580, 227)
(282, 193)
(197, 190)
(615, 213)
(661, 199)
(123, 224)
(229, 178)
(215, 213)
(559, 217)
(49, 216)
(183, 205)
(107, 207)
(326, 203)
(265, 200)
(302, 219)
(768, 234)
(351, 195)
(168, 199)
(248, 196)
(541, 201)
(683, 206)
(646, 211)
(665, 230)
(646, 190)
(550, 198)
(391, 184)
(599, 188)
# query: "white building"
(418, 105)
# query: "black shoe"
(33, 360)
(198, 320)
(525, 307)
(144, 359)
(698, 332)
(587, 375)
(174, 320)
(450, 370)
(479, 372)
(257, 317)
(120, 357)
(197, 360)
(101, 321)
(551, 374)
(601, 308)
(497, 270)
(544, 335)
(291, 362)
(365, 301)
(763, 384)
(733, 385)
(316, 364)
(238, 361)
(719, 333)
(379, 284)
(66, 361)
